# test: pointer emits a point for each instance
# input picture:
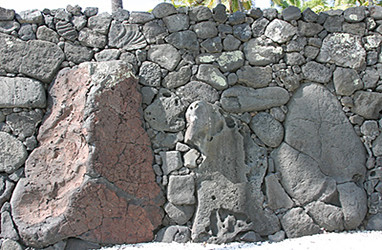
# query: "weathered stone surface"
(166, 112)
(165, 55)
(20, 92)
(237, 18)
(6, 15)
(242, 31)
(354, 28)
(370, 78)
(67, 30)
(316, 72)
(26, 32)
(163, 10)
(354, 204)
(150, 74)
(200, 13)
(240, 99)
(190, 158)
(334, 23)
(197, 91)
(12, 153)
(255, 77)
(121, 15)
(374, 222)
(344, 50)
(181, 189)
(291, 13)
(107, 55)
(280, 31)
(11, 245)
(294, 58)
(219, 13)
(176, 23)
(140, 17)
(38, 59)
(46, 34)
(304, 227)
(261, 52)
(354, 14)
(91, 11)
(172, 160)
(224, 195)
(7, 186)
(277, 198)
(328, 217)
(346, 81)
(100, 23)
(94, 127)
(24, 124)
(90, 38)
(30, 16)
(268, 129)
(184, 40)
(8, 230)
(177, 78)
(367, 104)
(77, 53)
(258, 27)
(126, 36)
(377, 146)
(230, 61)
(8, 26)
(179, 214)
(179, 234)
(206, 30)
(231, 43)
(213, 45)
(277, 237)
(154, 31)
(213, 76)
(316, 126)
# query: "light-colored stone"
(297, 223)
(172, 160)
(12, 153)
(190, 158)
(125, 36)
(180, 214)
(328, 217)
(276, 196)
(181, 189)
(280, 31)
(346, 81)
(213, 76)
(165, 55)
(197, 91)
(367, 104)
(262, 52)
(268, 129)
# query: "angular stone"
(90, 38)
(354, 14)
(100, 23)
(344, 50)
(172, 160)
(231, 43)
(30, 16)
(328, 217)
(316, 72)
(91, 11)
(150, 74)
(334, 23)
(165, 55)
(166, 113)
(239, 99)
(126, 36)
(219, 13)
(6, 15)
(67, 30)
(19, 92)
(294, 58)
(261, 52)
(200, 13)
(176, 23)
(304, 227)
(280, 31)
(7, 186)
(104, 138)
(154, 31)
(237, 17)
(367, 104)
(316, 126)
(268, 129)
(213, 45)
(197, 91)
(166, 140)
(230, 61)
(181, 189)
(206, 30)
(77, 53)
(354, 204)
(372, 42)
(370, 78)
(37, 59)
(46, 34)
(177, 78)
(309, 29)
(8, 26)
(11, 245)
(61, 15)
(184, 40)
(213, 76)
(12, 153)
(255, 77)
(190, 158)
(180, 214)
(24, 124)
(258, 27)
(277, 237)
(291, 13)
(107, 55)
(374, 222)
(242, 31)
(140, 17)
(26, 32)
(358, 29)
(276, 196)
(346, 81)
(376, 12)
(121, 15)
(179, 234)
(163, 10)
(377, 146)
(223, 189)
(8, 230)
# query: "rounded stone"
(12, 153)
(268, 129)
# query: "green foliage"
(322, 5)
(232, 5)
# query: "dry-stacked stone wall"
(188, 124)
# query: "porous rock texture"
(91, 177)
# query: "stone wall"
(188, 125)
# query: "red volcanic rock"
(92, 175)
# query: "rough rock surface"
(12, 153)
(83, 181)
(126, 36)
(37, 59)
(262, 52)
(367, 104)
(268, 129)
(197, 91)
(165, 55)
(305, 225)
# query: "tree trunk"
(116, 4)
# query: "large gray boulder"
(240, 99)
(35, 58)
(20, 92)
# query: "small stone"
(140, 17)
(67, 30)
(163, 10)
(30, 16)
(124, 36)
(212, 45)
(121, 15)
(179, 234)
(280, 31)
(148, 94)
(258, 27)
(367, 104)
(255, 13)
(200, 13)
(261, 52)
(190, 158)
(177, 78)
(268, 129)
(354, 28)
(180, 214)
(91, 11)
(26, 32)
(294, 58)
(242, 31)
(8, 230)
(231, 43)
(374, 222)
(74, 244)
(172, 160)
(346, 81)
(90, 38)
(6, 15)
(176, 23)
(74, 10)
(334, 23)
(205, 30)
(9, 27)
(270, 13)
(46, 34)
(184, 40)
(181, 147)
(308, 15)
(100, 23)
(277, 237)
(297, 223)
(77, 53)
(212, 76)
(370, 78)
(150, 74)
(291, 13)
(276, 195)
(377, 146)
(255, 77)
(251, 236)
(316, 72)
(165, 55)
(328, 217)
(9, 163)
(232, 79)
(311, 52)
(107, 55)
(356, 119)
(354, 14)
(197, 91)
(181, 190)
(219, 13)
(309, 29)
(237, 17)
(9, 244)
